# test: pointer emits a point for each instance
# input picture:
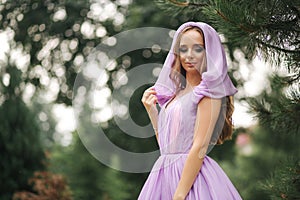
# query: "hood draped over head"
(215, 81)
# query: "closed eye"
(183, 49)
(198, 47)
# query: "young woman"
(195, 93)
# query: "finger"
(148, 93)
(147, 98)
(152, 91)
(152, 100)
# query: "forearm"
(149, 101)
(204, 126)
(153, 116)
(190, 171)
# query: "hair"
(227, 131)
(178, 76)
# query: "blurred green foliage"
(51, 34)
(20, 139)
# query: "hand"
(149, 100)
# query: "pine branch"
(278, 110)
(271, 26)
(276, 47)
(190, 4)
(179, 3)
(294, 77)
(184, 9)
(285, 181)
(242, 27)
(185, 4)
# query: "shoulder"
(208, 103)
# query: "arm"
(149, 101)
(207, 115)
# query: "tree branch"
(276, 47)
(185, 4)
(240, 26)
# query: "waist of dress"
(174, 154)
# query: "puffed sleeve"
(215, 81)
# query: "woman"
(195, 93)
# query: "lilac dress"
(176, 122)
(176, 129)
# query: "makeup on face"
(191, 49)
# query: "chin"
(191, 69)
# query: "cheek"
(200, 59)
(199, 56)
(182, 58)
(201, 63)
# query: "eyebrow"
(193, 45)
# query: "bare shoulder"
(209, 102)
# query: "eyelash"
(197, 49)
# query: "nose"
(189, 54)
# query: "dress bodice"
(176, 123)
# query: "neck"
(193, 79)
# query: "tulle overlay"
(210, 184)
(176, 122)
(215, 80)
(176, 128)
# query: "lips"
(190, 64)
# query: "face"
(191, 51)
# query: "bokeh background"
(44, 45)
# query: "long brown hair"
(178, 76)
(227, 131)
